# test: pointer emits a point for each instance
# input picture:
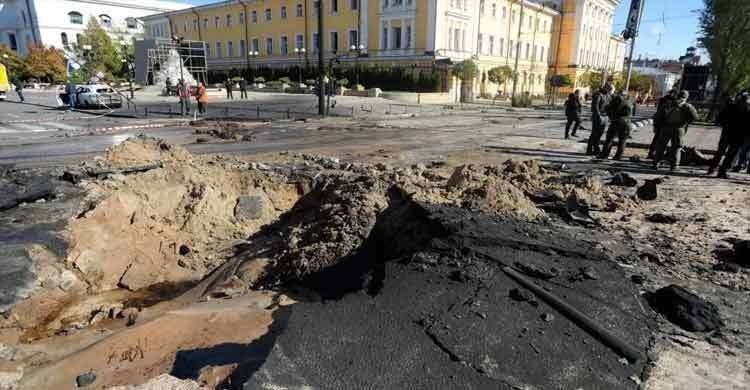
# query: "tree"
(12, 62)
(560, 80)
(44, 64)
(466, 70)
(500, 74)
(724, 31)
(103, 56)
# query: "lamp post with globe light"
(357, 49)
(253, 54)
(300, 52)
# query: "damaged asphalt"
(441, 314)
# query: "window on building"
(268, 14)
(528, 48)
(184, 26)
(254, 17)
(316, 42)
(216, 22)
(283, 12)
(450, 39)
(256, 45)
(353, 4)
(505, 12)
(481, 7)
(208, 49)
(353, 41)
(64, 39)
(396, 37)
(334, 6)
(229, 21)
(105, 20)
(511, 49)
(536, 24)
(501, 47)
(299, 10)
(408, 37)
(456, 39)
(241, 18)
(463, 38)
(205, 23)
(513, 16)
(269, 46)
(75, 17)
(541, 53)
(494, 10)
(533, 53)
(284, 48)
(230, 49)
(492, 45)
(334, 43)
(316, 8)
(480, 38)
(299, 41)
(384, 41)
(544, 26)
(195, 24)
(130, 22)
(218, 49)
(243, 48)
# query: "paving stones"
(685, 309)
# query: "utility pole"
(518, 52)
(631, 31)
(321, 63)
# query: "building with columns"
(59, 23)
(584, 41)
(522, 34)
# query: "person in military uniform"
(664, 102)
(673, 126)
(599, 118)
(619, 110)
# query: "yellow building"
(520, 34)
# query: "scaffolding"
(192, 55)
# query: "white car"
(95, 95)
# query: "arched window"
(75, 17)
(64, 39)
(268, 14)
(299, 10)
(105, 20)
(283, 12)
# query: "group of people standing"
(734, 142)
(185, 92)
(229, 86)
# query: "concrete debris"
(85, 379)
(648, 191)
(623, 179)
(164, 382)
(662, 218)
(685, 309)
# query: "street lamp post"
(357, 49)
(253, 54)
(300, 52)
(129, 65)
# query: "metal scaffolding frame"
(192, 54)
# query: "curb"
(106, 130)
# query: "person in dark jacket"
(18, 84)
(71, 91)
(228, 86)
(619, 110)
(599, 119)
(573, 113)
(243, 88)
(673, 127)
(735, 116)
(664, 102)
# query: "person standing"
(228, 86)
(168, 86)
(673, 126)
(599, 118)
(664, 102)
(243, 88)
(71, 91)
(183, 91)
(619, 110)
(736, 117)
(18, 84)
(202, 98)
(722, 119)
(573, 113)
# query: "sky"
(668, 27)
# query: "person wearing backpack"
(673, 126)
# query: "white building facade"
(59, 23)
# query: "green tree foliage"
(104, 55)
(466, 70)
(13, 63)
(724, 31)
(500, 74)
(44, 64)
(560, 80)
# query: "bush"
(359, 87)
(342, 82)
(274, 84)
(285, 80)
(520, 101)
(260, 80)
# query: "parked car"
(4, 84)
(94, 96)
